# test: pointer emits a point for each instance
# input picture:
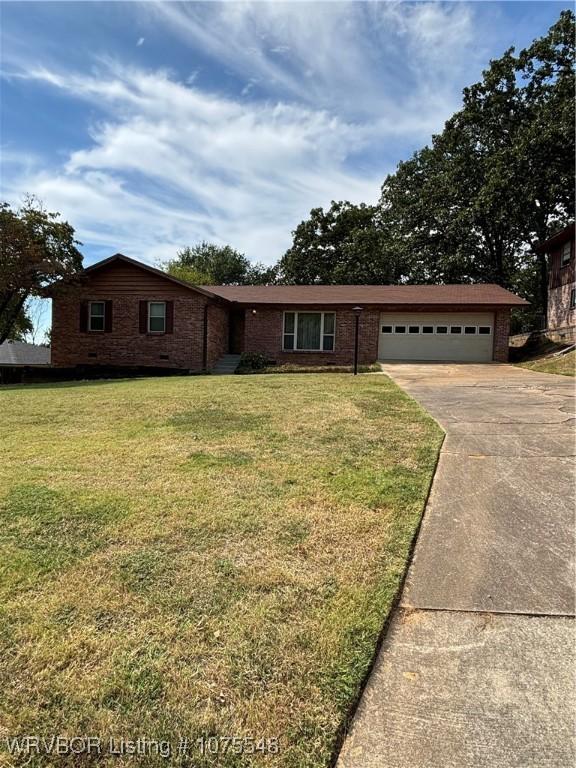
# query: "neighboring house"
(19, 360)
(128, 314)
(17, 354)
(561, 317)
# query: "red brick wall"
(264, 328)
(126, 285)
(560, 313)
(501, 335)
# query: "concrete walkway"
(478, 666)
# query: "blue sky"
(151, 126)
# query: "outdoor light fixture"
(357, 312)
(253, 311)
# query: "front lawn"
(565, 365)
(202, 555)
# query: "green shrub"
(253, 361)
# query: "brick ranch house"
(127, 314)
(561, 316)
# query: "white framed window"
(309, 331)
(387, 329)
(399, 329)
(427, 329)
(157, 317)
(484, 330)
(565, 254)
(441, 329)
(413, 329)
(96, 315)
(469, 330)
(455, 329)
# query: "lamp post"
(357, 311)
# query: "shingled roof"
(484, 294)
(19, 353)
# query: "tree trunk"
(543, 287)
(7, 297)
(10, 316)
(542, 260)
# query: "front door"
(236, 332)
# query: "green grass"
(205, 555)
(565, 365)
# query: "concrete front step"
(226, 364)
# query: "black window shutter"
(143, 317)
(108, 316)
(169, 317)
(83, 316)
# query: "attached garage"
(448, 336)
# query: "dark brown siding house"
(561, 317)
(128, 314)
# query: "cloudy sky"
(154, 125)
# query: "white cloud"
(342, 90)
(140, 41)
(351, 57)
(171, 164)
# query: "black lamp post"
(357, 311)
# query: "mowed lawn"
(202, 555)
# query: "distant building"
(20, 361)
(561, 318)
(17, 354)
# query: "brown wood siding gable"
(559, 275)
(127, 280)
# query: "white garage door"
(426, 336)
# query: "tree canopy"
(344, 244)
(211, 264)
(498, 179)
(471, 206)
(38, 256)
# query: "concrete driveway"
(477, 668)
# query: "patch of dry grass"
(210, 555)
(564, 365)
(293, 368)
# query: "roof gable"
(556, 240)
(120, 258)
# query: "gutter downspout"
(205, 340)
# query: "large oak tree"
(472, 206)
(498, 179)
(342, 245)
